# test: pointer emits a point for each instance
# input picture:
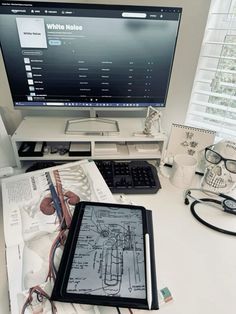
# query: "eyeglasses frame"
(221, 158)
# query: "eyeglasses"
(215, 158)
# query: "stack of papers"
(31, 225)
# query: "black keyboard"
(129, 177)
(41, 165)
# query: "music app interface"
(80, 57)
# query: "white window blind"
(213, 99)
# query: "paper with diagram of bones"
(31, 223)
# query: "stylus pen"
(148, 271)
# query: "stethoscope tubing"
(207, 224)
(204, 201)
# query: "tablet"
(104, 259)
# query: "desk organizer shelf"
(122, 146)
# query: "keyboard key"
(129, 177)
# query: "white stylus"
(148, 271)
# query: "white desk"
(196, 263)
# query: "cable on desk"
(41, 294)
(118, 310)
(131, 312)
(59, 240)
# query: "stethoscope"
(227, 203)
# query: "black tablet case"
(56, 296)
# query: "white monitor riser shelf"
(128, 144)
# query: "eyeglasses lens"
(231, 165)
(212, 157)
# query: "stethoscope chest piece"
(229, 206)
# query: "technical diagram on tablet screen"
(109, 254)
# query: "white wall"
(187, 51)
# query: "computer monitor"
(86, 55)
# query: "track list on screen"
(81, 55)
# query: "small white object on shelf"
(106, 147)
(147, 148)
(152, 121)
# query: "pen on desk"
(148, 271)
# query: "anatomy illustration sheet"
(37, 210)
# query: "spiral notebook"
(189, 140)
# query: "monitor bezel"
(93, 6)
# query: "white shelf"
(130, 143)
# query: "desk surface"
(196, 263)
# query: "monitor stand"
(92, 126)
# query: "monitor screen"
(87, 55)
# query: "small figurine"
(152, 122)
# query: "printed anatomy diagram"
(109, 258)
(54, 195)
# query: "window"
(213, 99)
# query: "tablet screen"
(109, 253)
